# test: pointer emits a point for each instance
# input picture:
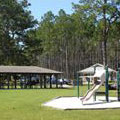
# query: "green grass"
(26, 105)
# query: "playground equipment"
(106, 84)
(99, 75)
(103, 76)
(118, 84)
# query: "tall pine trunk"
(104, 42)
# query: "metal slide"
(90, 93)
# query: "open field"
(26, 105)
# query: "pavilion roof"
(90, 70)
(27, 69)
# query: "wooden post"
(0, 81)
(41, 81)
(50, 82)
(8, 79)
(30, 82)
(3, 81)
(15, 81)
(56, 81)
(21, 82)
(25, 83)
(44, 81)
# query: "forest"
(63, 42)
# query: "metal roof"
(27, 69)
(90, 70)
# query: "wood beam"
(44, 81)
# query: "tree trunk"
(66, 62)
(104, 52)
(104, 42)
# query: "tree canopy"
(65, 42)
(15, 20)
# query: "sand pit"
(74, 103)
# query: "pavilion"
(11, 76)
(90, 71)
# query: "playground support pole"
(77, 85)
(106, 84)
(118, 85)
(88, 84)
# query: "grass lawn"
(26, 105)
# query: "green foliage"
(15, 20)
(76, 40)
(63, 42)
(32, 47)
(46, 32)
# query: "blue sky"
(40, 7)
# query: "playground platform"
(74, 103)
